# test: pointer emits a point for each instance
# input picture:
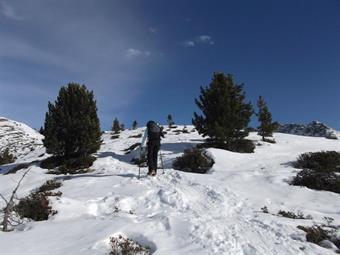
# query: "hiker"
(153, 133)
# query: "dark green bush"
(69, 165)
(316, 234)
(114, 136)
(193, 160)
(267, 140)
(318, 180)
(319, 171)
(77, 165)
(49, 185)
(323, 161)
(292, 215)
(35, 206)
(51, 162)
(241, 146)
(6, 157)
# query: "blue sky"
(145, 59)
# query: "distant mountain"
(21, 140)
(314, 128)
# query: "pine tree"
(226, 115)
(134, 125)
(267, 126)
(116, 126)
(72, 126)
(41, 130)
(122, 127)
(170, 121)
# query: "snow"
(22, 141)
(177, 212)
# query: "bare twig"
(4, 199)
(10, 206)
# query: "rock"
(315, 128)
(19, 138)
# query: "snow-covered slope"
(178, 213)
(314, 128)
(23, 142)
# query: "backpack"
(154, 131)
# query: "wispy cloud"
(189, 43)
(199, 40)
(153, 30)
(205, 39)
(8, 11)
(135, 53)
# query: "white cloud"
(199, 40)
(135, 53)
(153, 30)
(204, 39)
(132, 53)
(189, 43)
(8, 11)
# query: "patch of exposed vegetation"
(60, 165)
(193, 160)
(6, 157)
(320, 171)
(124, 246)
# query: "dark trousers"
(153, 148)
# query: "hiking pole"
(161, 156)
(139, 160)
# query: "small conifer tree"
(134, 125)
(170, 121)
(6, 157)
(267, 126)
(225, 114)
(116, 126)
(41, 130)
(72, 126)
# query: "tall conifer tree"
(116, 127)
(72, 126)
(225, 114)
(170, 121)
(267, 126)
(134, 125)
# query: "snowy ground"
(178, 213)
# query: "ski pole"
(139, 160)
(161, 156)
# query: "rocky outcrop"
(20, 139)
(315, 128)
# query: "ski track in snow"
(174, 213)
